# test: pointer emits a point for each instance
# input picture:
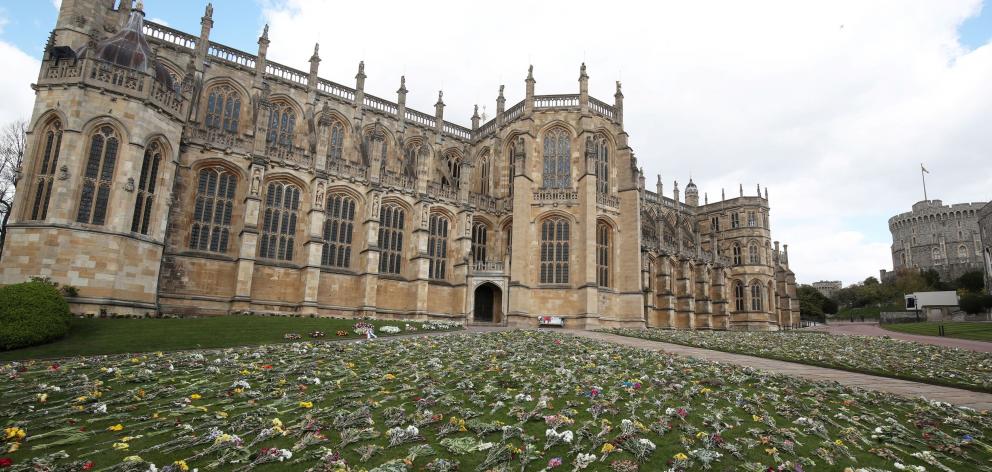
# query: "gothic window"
(282, 205)
(336, 146)
(282, 121)
(739, 296)
(511, 168)
(437, 247)
(47, 163)
(554, 250)
(603, 255)
(508, 236)
(411, 158)
(453, 165)
(557, 159)
(735, 220)
(339, 225)
(223, 109)
(214, 203)
(962, 251)
(484, 177)
(390, 238)
(374, 136)
(715, 223)
(757, 294)
(936, 253)
(146, 188)
(753, 254)
(480, 236)
(751, 221)
(737, 254)
(97, 176)
(598, 148)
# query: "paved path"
(872, 329)
(955, 396)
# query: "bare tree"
(12, 143)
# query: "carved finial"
(501, 91)
(706, 198)
(475, 114)
(361, 69)
(402, 85)
(209, 11)
(582, 72)
(440, 97)
(619, 86)
(759, 190)
(316, 49)
(659, 179)
(265, 32)
(530, 72)
(140, 6)
(766, 193)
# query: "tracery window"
(936, 253)
(282, 205)
(739, 296)
(754, 255)
(98, 176)
(146, 188)
(735, 220)
(557, 159)
(715, 223)
(212, 211)
(437, 247)
(962, 251)
(336, 146)
(555, 239)
(374, 137)
(737, 254)
(751, 221)
(413, 153)
(599, 151)
(453, 165)
(484, 176)
(223, 108)
(282, 121)
(339, 226)
(480, 237)
(47, 163)
(511, 167)
(757, 294)
(391, 222)
(603, 254)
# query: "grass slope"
(978, 331)
(115, 336)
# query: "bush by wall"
(32, 313)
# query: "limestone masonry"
(935, 236)
(170, 174)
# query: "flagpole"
(923, 174)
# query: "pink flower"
(554, 462)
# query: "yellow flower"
(607, 448)
(42, 397)
(14, 433)
(306, 405)
(839, 442)
(182, 465)
(681, 457)
(195, 396)
(700, 435)
(133, 459)
(276, 423)
(116, 427)
(390, 377)
(755, 417)
(121, 446)
(14, 447)
(350, 365)
(771, 451)
(705, 390)
(221, 414)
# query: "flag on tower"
(924, 169)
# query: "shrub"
(972, 304)
(31, 313)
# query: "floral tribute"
(507, 402)
(870, 354)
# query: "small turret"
(691, 194)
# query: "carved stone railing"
(231, 55)
(444, 192)
(485, 130)
(420, 118)
(285, 73)
(608, 201)
(290, 154)
(62, 71)
(487, 267)
(336, 89)
(168, 35)
(166, 98)
(347, 169)
(127, 80)
(218, 138)
(400, 181)
(377, 103)
(513, 112)
(601, 108)
(483, 202)
(556, 101)
(456, 131)
(556, 195)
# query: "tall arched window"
(223, 108)
(737, 254)
(98, 176)
(739, 296)
(603, 254)
(962, 251)
(485, 174)
(336, 146)
(339, 226)
(598, 149)
(757, 294)
(511, 166)
(936, 253)
(47, 162)
(437, 247)
(146, 188)
(282, 203)
(557, 159)
(374, 139)
(555, 237)
(212, 210)
(391, 221)
(282, 122)
(754, 256)
(414, 153)
(480, 240)
(453, 164)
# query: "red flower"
(88, 465)
(267, 366)
(54, 366)
(5, 462)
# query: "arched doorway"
(488, 304)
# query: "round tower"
(691, 194)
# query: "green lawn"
(115, 336)
(977, 330)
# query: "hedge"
(32, 313)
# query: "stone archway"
(488, 306)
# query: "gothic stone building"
(170, 174)
(935, 236)
(985, 233)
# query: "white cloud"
(15, 85)
(57, 4)
(159, 21)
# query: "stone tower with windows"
(169, 174)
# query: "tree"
(971, 281)
(13, 140)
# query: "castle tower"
(691, 194)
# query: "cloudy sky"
(832, 105)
